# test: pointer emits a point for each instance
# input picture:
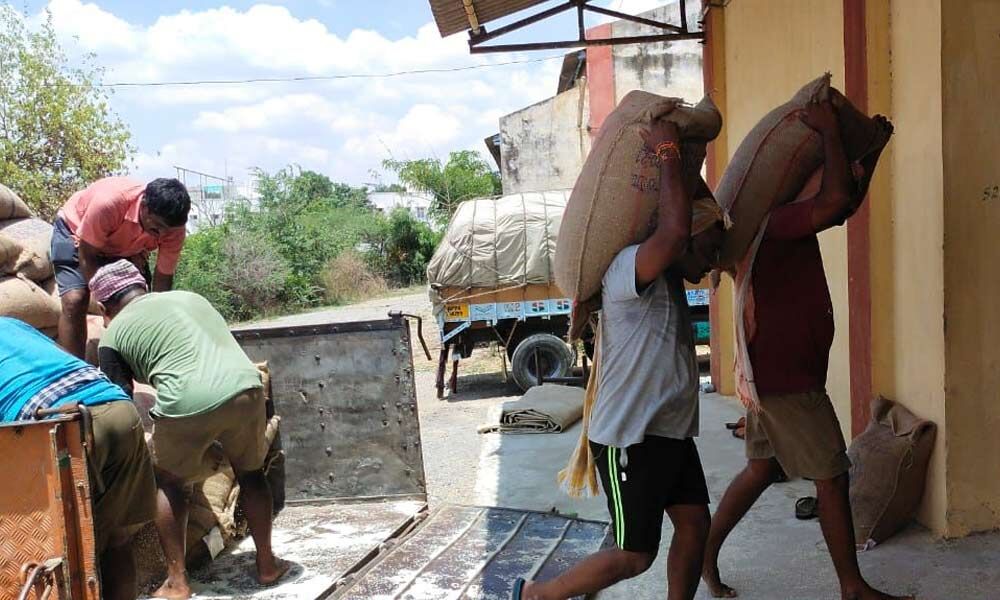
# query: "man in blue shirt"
(36, 374)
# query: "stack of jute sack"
(25, 268)
(28, 288)
(614, 201)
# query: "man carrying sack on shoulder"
(639, 433)
(786, 336)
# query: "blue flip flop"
(515, 593)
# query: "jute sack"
(21, 299)
(777, 157)
(11, 205)
(888, 470)
(10, 252)
(95, 329)
(34, 236)
(613, 204)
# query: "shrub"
(254, 277)
(301, 250)
(348, 278)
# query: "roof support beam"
(483, 36)
(638, 39)
(671, 32)
(641, 20)
(470, 12)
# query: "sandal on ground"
(742, 422)
(738, 428)
(515, 592)
(806, 508)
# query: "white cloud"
(96, 29)
(342, 127)
(265, 37)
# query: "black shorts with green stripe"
(644, 480)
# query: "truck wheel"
(555, 358)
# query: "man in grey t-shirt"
(646, 411)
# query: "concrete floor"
(770, 556)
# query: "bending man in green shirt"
(207, 391)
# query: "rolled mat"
(543, 409)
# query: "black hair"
(118, 296)
(169, 200)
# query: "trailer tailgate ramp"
(468, 553)
(323, 542)
(356, 523)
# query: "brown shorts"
(802, 432)
(121, 472)
(185, 446)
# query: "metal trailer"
(532, 334)
(46, 515)
(698, 300)
(356, 522)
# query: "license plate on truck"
(456, 312)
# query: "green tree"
(311, 186)
(389, 187)
(296, 190)
(57, 132)
(347, 196)
(401, 247)
(466, 175)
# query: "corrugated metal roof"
(451, 17)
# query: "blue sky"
(342, 128)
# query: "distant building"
(543, 146)
(209, 202)
(419, 205)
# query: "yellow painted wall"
(971, 142)
(934, 215)
(917, 234)
(772, 48)
(723, 324)
(880, 204)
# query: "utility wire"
(136, 84)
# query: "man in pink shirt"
(114, 218)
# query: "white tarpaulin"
(499, 243)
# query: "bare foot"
(873, 594)
(173, 590)
(270, 571)
(715, 585)
(528, 591)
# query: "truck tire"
(554, 355)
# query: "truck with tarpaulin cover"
(491, 282)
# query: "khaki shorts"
(185, 446)
(121, 474)
(802, 432)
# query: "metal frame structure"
(478, 33)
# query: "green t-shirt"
(178, 343)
